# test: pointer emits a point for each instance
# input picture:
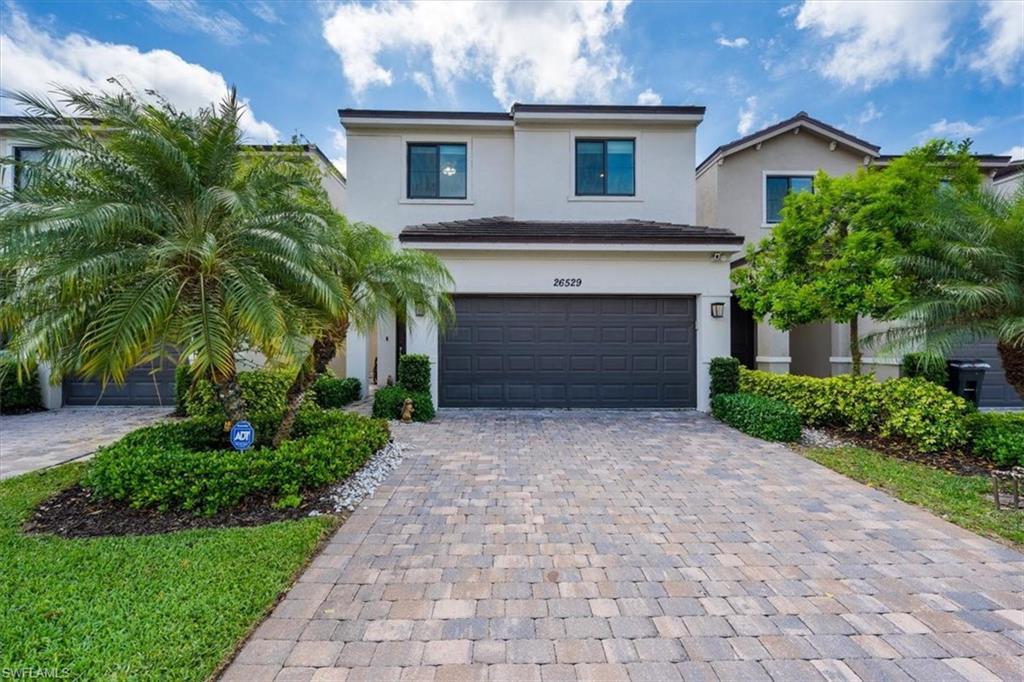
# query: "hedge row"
(413, 384)
(189, 465)
(263, 391)
(919, 411)
(18, 394)
(759, 416)
(999, 436)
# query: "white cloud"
(423, 81)
(1004, 22)
(265, 11)
(34, 59)
(1016, 152)
(739, 42)
(551, 50)
(787, 10)
(187, 15)
(878, 42)
(869, 114)
(748, 116)
(954, 129)
(648, 98)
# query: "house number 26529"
(568, 282)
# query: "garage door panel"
(995, 391)
(144, 385)
(569, 351)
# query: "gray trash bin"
(966, 377)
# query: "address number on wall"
(568, 282)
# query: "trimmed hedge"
(758, 416)
(926, 366)
(725, 376)
(926, 415)
(414, 372)
(263, 391)
(999, 436)
(18, 396)
(182, 387)
(388, 401)
(335, 393)
(189, 465)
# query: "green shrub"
(263, 391)
(182, 386)
(925, 414)
(334, 393)
(928, 366)
(414, 372)
(188, 464)
(388, 401)
(17, 395)
(998, 436)
(758, 416)
(725, 376)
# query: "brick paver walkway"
(45, 439)
(638, 546)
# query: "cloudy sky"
(895, 73)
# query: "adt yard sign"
(243, 436)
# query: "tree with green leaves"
(832, 257)
(969, 280)
(144, 229)
(377, 279)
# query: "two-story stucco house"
(581, 276)
(742, 185)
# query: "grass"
(168, 606)
(963, 500)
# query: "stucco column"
(357, 358)
(712, 341)
(421, 339)
(386, 366)
(772, 349)
(53, 395)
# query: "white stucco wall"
(532, 272)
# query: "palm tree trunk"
(1013, 365)
(855, 354)
(229, 393)
(324, 348)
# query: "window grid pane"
(620, 172)
(436, 171)
(452, 179)
(605, 167)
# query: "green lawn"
(162, 606)
(963, 500)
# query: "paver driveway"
(44, 439)
(654, 546)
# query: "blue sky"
(894, 73)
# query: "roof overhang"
(574, 247)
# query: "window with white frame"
(777, 187)
(436, 170)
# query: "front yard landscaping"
(171, 606)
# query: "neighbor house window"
(436, 171)
(24, 154)
(775, 191)
(605, 167)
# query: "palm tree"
(144, 229)
(969, 280)
(377, 279)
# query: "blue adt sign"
(243, 436)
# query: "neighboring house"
(742, 185)
(1009, 180)
(151, 384)
(581, 278)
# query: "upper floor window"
(436, 171)
(605, 167)
(775, 190)
(24, 154)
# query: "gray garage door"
(569, 351)
(995, 392)
(143, 386)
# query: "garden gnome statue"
(407, 410)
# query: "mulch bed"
(74, 513)
(954, 461)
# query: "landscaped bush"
(414, 372)
(725, 376)
(758, 416)
(189, 464)
(263, 391)
(15, 395)
(926, 366)
(334, 393)
(926, 415)
(182, 386)
(388, 401)
(999, 436)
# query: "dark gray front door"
(142, 386)
(569, 351)
(995, 392)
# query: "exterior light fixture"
(420, 310)
(717, 310)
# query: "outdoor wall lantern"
(717, 310)
(420, 310)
